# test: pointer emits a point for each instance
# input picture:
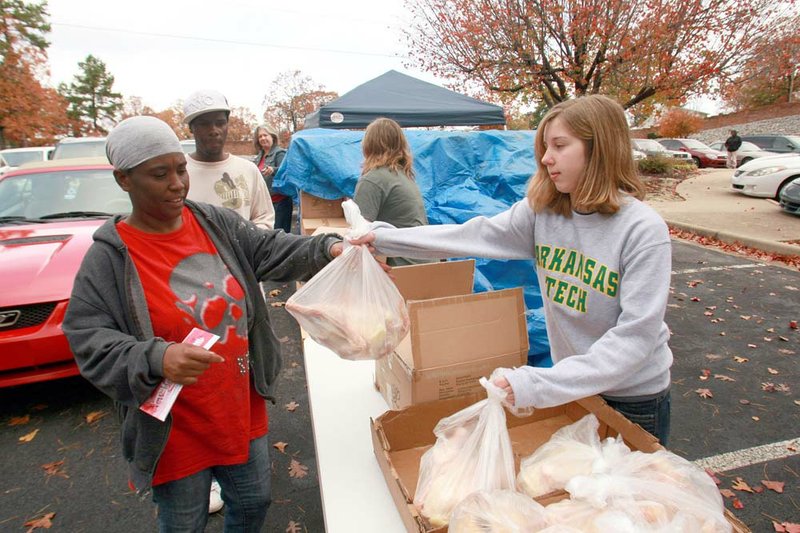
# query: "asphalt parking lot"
(730, 316)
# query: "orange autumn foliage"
(553, 50)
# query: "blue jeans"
(183, 503)
(653, 415)
(283, 214)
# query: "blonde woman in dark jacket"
(268, 159)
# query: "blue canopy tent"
(460, 174)
(408, 101)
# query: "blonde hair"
(269, 130)
(385, 145)
(610, 170)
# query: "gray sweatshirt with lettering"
(604, 281)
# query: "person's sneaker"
(215, 502)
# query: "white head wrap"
(137, 139)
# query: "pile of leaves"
(739, 248)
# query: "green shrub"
(665, 166)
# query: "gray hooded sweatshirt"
(108, 324)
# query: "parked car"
(782, 144)
(73, 147)
(638, 154)
(767, 176)
(188, 146)
(653, 149)
(702, 155)
(11, 158)
(746, 152)
(790, 197)
(48, 213)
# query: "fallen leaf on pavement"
(784, 351)
(29, 437)
(784, 339)
(54, 469)
(728, 493)
(745, 317)
(94, 416)
(777, 486)
(705, 374)
(278, 304)
(755, 418)
(44, 522)
(293, 527)
(786, 527)
(723, 377)
(19, 420)
(291, 406)
(772, 371)
(737, 504)
(283, 339)
(797, 402)
(722, 333)
(714, 357)
(297, 469)
(280, 446)
(783, 387)
(740, 359)
(793, 324)
(694, 299)
(741, 484)
(704, 393)
(744, 402)
(274, 292)
(752, 345)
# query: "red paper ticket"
(163, 398)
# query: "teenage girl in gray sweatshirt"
(603, 263)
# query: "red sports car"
(48, 213)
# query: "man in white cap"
(220, 178)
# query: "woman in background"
(268, 160)
(386, 190)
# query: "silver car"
(746, 152)
(653, 148)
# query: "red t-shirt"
(186, 285)
(277, 197)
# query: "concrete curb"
(732, 238)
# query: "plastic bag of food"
(571, 451)
(472, 452)
(684, 492)
(497, 511)
(513, 409)
(352, 306)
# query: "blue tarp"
(460, 174)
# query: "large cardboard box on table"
(316, 212)
(455, 336)
(400, 438)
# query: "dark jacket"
(274, 159)
(733, 143)
(108, 323)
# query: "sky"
(162, 51)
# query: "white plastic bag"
(515, 410)
(351, 306)
(472, 452)
(571, 451)
(497, 511)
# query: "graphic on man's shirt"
(232, 191)
(586, 270)
(217, 303)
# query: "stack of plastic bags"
(352, 306)
(466, 480)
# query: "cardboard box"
(401, 437)
(316, 212)
(456, 336)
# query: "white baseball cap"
(202, 102)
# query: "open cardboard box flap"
(401, 437)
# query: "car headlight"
(766, 170)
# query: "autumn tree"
(292, 97)
(554, 50)
(241, 124)
(679, 123)
(93, 103)
(30, 114)
(770, 71)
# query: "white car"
(652, 148)
(746, 153)
(765, 177)
(11, 158)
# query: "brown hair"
(270, 131)
(385, 145)
(610, 170)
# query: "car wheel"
(786, 182)
(697, 162)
